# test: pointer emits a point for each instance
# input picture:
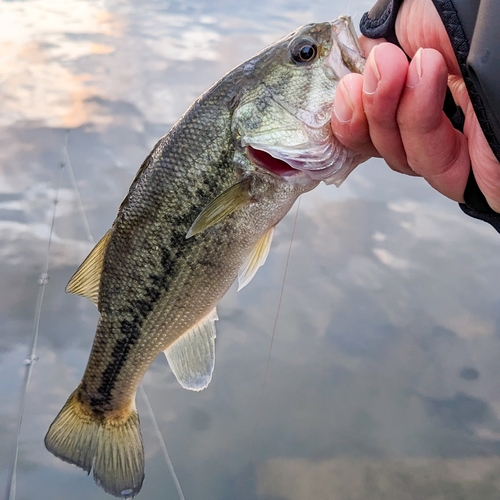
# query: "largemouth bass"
(199, 214)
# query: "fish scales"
(149, 254)
(135, 287)
(200, 213)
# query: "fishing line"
(275, 326)
(349, 10)
(162, 443)
(72, 179)
(30, 361)
(152, 416)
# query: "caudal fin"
(112, 448)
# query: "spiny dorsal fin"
(88, 276)
(192, 356)
(255, 259)
(225, 204)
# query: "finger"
(384, 80)
(419, 24)
(349, 123)
(433, 147)
(484, 163)
(367, 44)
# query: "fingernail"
(415, 70)
(342, 108)
(372, 74)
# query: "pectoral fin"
(88, 276)
(192, 356)
(225, 204)
(256, 259)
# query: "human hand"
(395, 111)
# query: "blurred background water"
(383, 380)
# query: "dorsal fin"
(88, 276)
(255, 259)
(225, 204)
(192, 356)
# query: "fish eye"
(305, 51)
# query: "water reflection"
(385, 362)
(380, 479)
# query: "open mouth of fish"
(269, 163)
(332, 166)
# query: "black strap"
(380, 22)
(473, 198)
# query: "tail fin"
(112, 448)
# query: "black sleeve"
(472, 26)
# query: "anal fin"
(192, 356)
(255, 259)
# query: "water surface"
(383, 378)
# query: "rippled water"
(383, 380)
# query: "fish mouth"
(333, 169)
(269, 163)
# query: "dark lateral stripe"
(130, 330)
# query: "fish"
(199, 215)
